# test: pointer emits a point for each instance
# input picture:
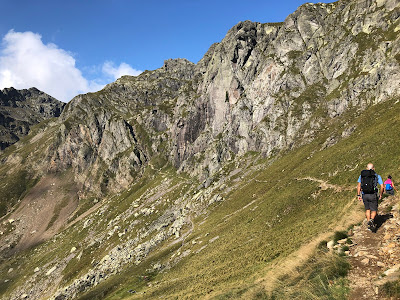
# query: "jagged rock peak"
(10, 97)
(174, 64)
(179, 67)
(19, 109)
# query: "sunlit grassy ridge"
(271, 207)
(270, 211)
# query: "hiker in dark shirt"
(389, 186)
(367, 190)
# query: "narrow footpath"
(375, 257)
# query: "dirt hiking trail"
(375, 257)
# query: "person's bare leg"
(368, 214)
(373, 214)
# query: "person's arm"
(394, 186)
(359, 191)
(382, 190)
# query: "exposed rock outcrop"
(265, 87)
(20, 109)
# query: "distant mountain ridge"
(20, 109)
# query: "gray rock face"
(20, 109)
(265, 87)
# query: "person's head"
(370, 166)
(389, 177)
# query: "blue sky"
(105, 38)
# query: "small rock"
(343, 241)
(387, 236)
(51, 270)
(214, 239)
(330, 244)
(157, 266)
(10, 270)
(365, 261)
(73, 249)
(390, 271)
(11, 221)
(380, 264)
(361, 253)
(371, 256)
(87, 223)
(36, 270)
(391, 245)
(24, 296)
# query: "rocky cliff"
(265, 87)
(179, 171)
(20, 109)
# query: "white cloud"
(25, 61)
(123, 69)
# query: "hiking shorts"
(370, 201)
(390, 192)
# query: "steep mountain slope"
(262, 88)
(196, 180)
(20, 109)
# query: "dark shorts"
(370, 201)
(390, 192)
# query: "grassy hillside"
(270, 211)
(270, 208)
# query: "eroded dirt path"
(375, 257)
(324, 185)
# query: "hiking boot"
(371, 225)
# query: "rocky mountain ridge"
(265, 87)
(20, 109)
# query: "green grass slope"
(270, 212)
(270, 208)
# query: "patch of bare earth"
(43, 212)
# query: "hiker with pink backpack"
(389, 186)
